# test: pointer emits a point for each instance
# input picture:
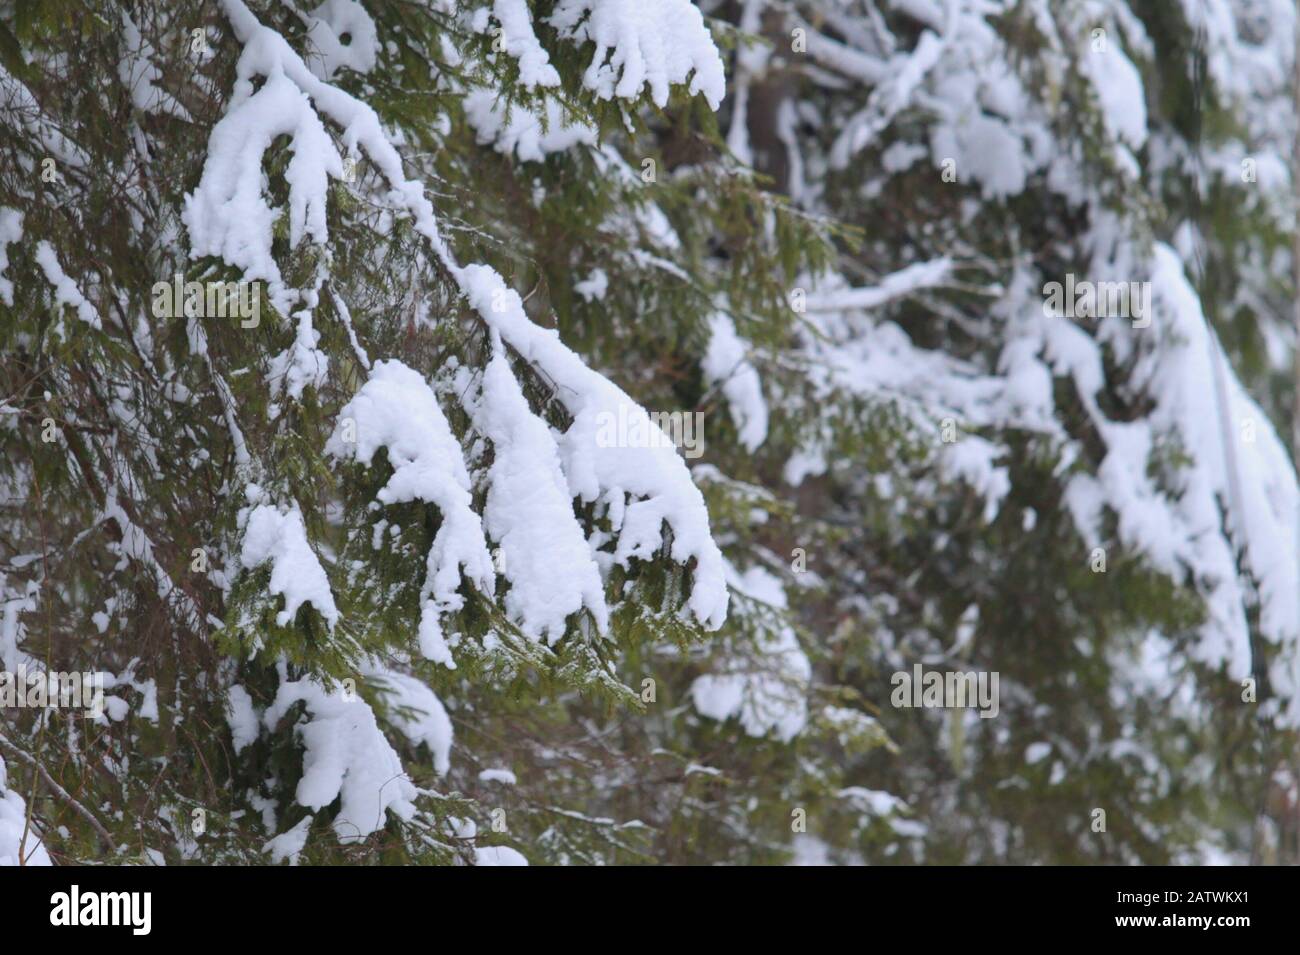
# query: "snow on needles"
(529, 513)
(138, 72)
(280, 537)
(416, 711)
(13, 824)
(767, 692)
(329, 23)
(655, 477)
(1242, 478)
(65, 290)
(228, 216)
(11, 230)
(726, 365)
(643, 44)
(520, 42)
(521, 130)
(396, 410)
(347, 758)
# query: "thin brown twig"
(106, 840)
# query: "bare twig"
(106, 840)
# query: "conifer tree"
(345, 350)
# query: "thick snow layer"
(1120, 94)
(346, 757)
(328, 24)
(529, 513)
(519, 40)
(290, 843)
(416, 711)
(228, 215)
(396, 410)
(655, 477)
(1239, 462)
(641, 44)
(498, 855)
(279, 536)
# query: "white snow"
(516, 26)
(17, 101)
(972, 460)
(913, 278)
(1200, 403)
(11, 230)
(397, 410)
(1120, 94)
(290, 843)
(641, 44)
(279, 536)
(1037, 752)
(593, 287)
(726, 364)
(985, 149)
(766, 688)
(872, 801)
(302, 364)
(139, 74)
(328, 24)
(498, 855)
(231, 189)
(241, 716)
(895, 91)
(13, 824)
(521, 130)
(346, 758)
(529, 513)
(416, 711)
(655, 477)
(65, 290)
(228, 215)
